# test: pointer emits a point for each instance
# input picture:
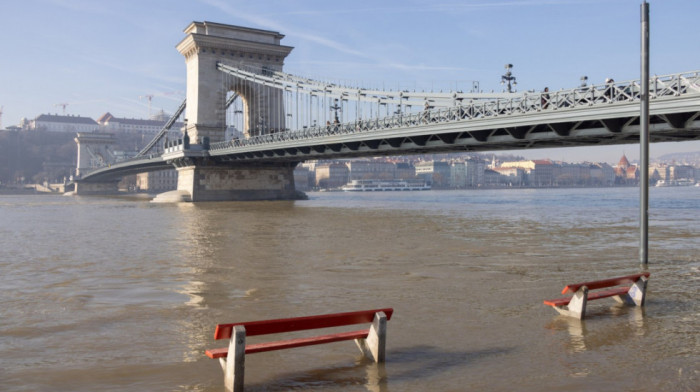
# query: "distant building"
(539, 172)
(434, 172)
(157, 181)
(467, 174)
(543, 173)
(511, 176)
(109, 123)
(57, 123)
(458, 175)
(602, 174)
(626, 173)
(405, 171)
(311, 165)
(672, 172)
(492, 178)
(370, 170)
(475, 171)
(658, 172)
(572, 174)
(331, 175)
(681, 172)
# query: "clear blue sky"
(100, 56)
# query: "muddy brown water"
(117, 294)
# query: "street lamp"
(508, 77)
(335, 108)
(584, 81)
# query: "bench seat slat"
(292, 343)
(254, 328)
(599, 284)
(558, 301)
(593, 295)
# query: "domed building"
(626, 173)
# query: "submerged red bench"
(371, 341)
(576, 305)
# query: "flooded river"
(115, 294)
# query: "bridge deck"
(594, 115)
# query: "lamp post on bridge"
(399, 113)
(335, 108)
(508, 77)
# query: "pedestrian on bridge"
(610, 89)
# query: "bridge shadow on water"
(404, 366)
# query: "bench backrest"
(599, 284)
(265, 327)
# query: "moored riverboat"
(680, 182)
(385, 185)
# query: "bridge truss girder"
(128, 167)
(568, 118)
(582, 130)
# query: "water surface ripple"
(112, 294)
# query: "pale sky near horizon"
(101, 56)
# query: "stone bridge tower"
(94, 150)
(200, 177)
(255, 50)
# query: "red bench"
(371, 341)
(576, 305)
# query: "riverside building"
(331, 175)
(57, 123)
(371, 170)
(434, 173)
(110, 123)
(539, 172)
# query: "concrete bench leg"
(376, 377)
(375, 344)
(234, 364)
(577, 305)
(637, 293)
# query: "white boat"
(385, 185)
(679, 182)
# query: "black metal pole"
(644, 141)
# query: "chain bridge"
(285, 119)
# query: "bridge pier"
(200, 176)
(197, 183)
(96, 188)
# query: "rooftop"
(107, 118)
(65, 119)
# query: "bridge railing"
(121, 162)
(661, 87)
(528, 103)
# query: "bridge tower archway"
(200, 176)
(94, 150)
(208, 44)
(262, 107)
